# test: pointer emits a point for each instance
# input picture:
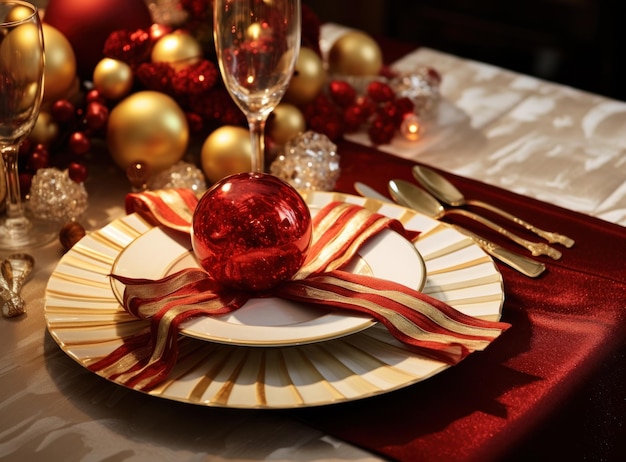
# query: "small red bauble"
(96, 115)
(38, 160)
(381, 130)
(131, 47)
(25, 148)
(353, 117)
(94, 96)
(342, 93)
(63, 111)
(251, 231)
(79, 143)
(77, 172)
(138, 173)
(380, 92)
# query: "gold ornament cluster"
(149, 128)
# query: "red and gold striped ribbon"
(172, 208)
(339, 230)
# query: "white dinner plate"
(85, 318)
(270, 321)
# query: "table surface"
(542, 140)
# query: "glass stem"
(257, 138)
(15, 209)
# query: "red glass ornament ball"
(38, 160)
(87, 25)
(251, 231)
(79, 143)
(26, 147)
(138, 173)
(77, 172)
(94, 96)
(63, 111)
(96, 115)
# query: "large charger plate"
(85, 318)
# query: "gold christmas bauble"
(112, 78)
(179, 49)
(19, 13)
(355, 53)
(148, 127)
(308, 78)
(45, 130)
(226, 151)
(18, 44)
(60, 70)
(286, 123)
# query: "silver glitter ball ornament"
(309, 162)
(54, 196)
(420, 87)
(180, 175)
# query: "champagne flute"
(21, 92)
(257, 44)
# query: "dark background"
(574, 42)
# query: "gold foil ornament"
(19, 41)
(148, 127)
(19, 13)
(308, 78)
(179, 49)
(355, 53)
(286, 123)
(112, 78)
(226, 151)
(60, 69)
(45, 130)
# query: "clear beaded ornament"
(309, 162)
(180, 175)
(54, 196)
(420, 87)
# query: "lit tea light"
(411, 127)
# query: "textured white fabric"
(527, 135)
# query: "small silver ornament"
(420, 86)
(54, 196)
(180, 175)
(309, 162)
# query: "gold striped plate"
(86, 320)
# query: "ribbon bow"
(430, 326)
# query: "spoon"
(447, 193)
(409, 195)
(524, 265)
(13, 273)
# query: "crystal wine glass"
(21, 92)
(257, 44)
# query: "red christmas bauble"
(251, 231)
(87, 25)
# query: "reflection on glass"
(257, 44)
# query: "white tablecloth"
(543, 140)
(533, 137)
